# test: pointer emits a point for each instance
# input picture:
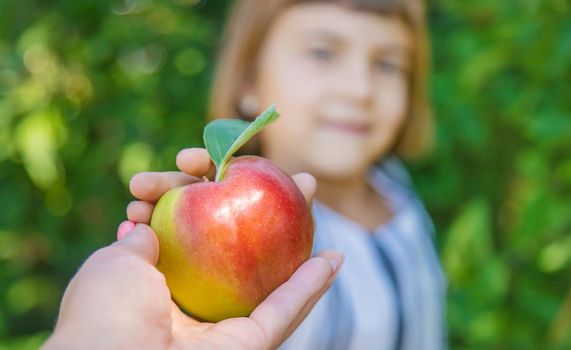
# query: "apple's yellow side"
(199, 293)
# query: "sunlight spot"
(37, 139)
(135, 158)
(554, 257)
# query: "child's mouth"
(347, 127)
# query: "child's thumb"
(141, 241)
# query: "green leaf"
(220, 135)
(224, 137)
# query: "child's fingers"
(150, 186)
(124, 228)
(292, 300)
(306, 184)
(195, 162)
(140, 212)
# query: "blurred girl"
(349, 80)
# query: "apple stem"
(220, 170)
(223, 137)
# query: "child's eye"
(386, 66)
(321, 54)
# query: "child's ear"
(249, 106)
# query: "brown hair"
(245, 33)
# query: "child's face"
(339, 78)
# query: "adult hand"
(118, 299)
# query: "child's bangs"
(382, 7)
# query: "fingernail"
(124, 228)
(336, 262)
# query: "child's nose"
(356, 83)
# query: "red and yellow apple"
(225, 246)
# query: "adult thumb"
(141, 241)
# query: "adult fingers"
(328, 254)
(285, 305)
(141, 241)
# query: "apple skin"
(225, 246)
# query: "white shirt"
(390, 291)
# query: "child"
(348, 78)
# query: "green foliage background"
(94, 91)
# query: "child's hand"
(119, 300)
(194, 163)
